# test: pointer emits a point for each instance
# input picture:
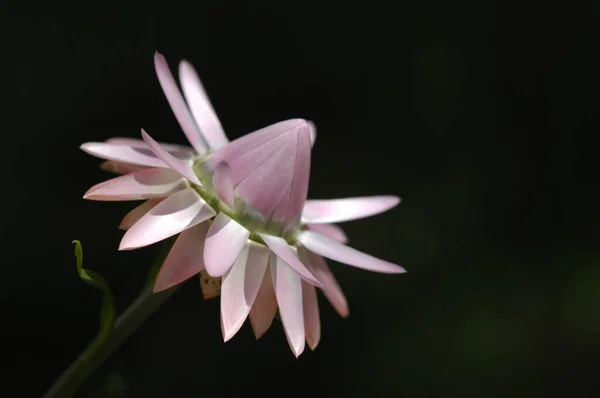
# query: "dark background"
(481, 115)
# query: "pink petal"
(331, 288)
(211, 287)
(224, 242)
(178, 105)
(337, 251)
(288, 290)
(270, 169)
(313, 132)
(312, 323)
(120, 167)
(185, 169)
(138, 212)
(287, 254)
(338, 210)
(173, 215)
(174, 149)
(145, 184)
(184, 260)
(240, 287)
(265, 306)
(121, 153)
(223, 184)
(330, 230)
(201, 108)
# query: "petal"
(265, 306)
(122, 153)
(338, 210)
(287, 254)
(173, 215)
(313, 132)
(337, 251)
(331, 230)
(174, 149)
(178, 105)
(183, 168)
(145, 184)
(270, 169)
(138, 212)
(120, 167)
(184, 260)
(288, 290)
(224, 242)
(211, 287)
(312, 323)
(240, 287)
(331, 289)
(202, 110)
(223, 184)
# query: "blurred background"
(482, 116)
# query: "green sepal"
(107, 312)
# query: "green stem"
(125, 325)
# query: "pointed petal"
(120, 167)
(338, 210)
(224, 242)
(313, 132)
(138, 212)
(288, 255)
(312, 322)
(223, 184)
(178, 105)
(183, 168)
(179, 151)
(173, 215)
(265, 306)
(288, 290)
(122, 153)
(202, 110)
(211, 287)
(331, 288)
(240, 287)
(145, 184)
(184, 260)
(337, 251)
(270, 169)
(331, 230)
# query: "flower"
(241, 214)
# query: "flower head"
(241, 213)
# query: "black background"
(481, 115)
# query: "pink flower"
(241, 213)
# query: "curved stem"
(125, 325)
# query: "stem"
(125, 325)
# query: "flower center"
(253, 222)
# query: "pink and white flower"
(241, 213)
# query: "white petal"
(338, 210)
(144, 184)
(174, 149)
(224, 242)
(337, 251)
(178, 105)
(288, 255)
(201, 108)
(223, 184)
(177, 213)
(240, 287)
(331, 230)
(138, 212)
(288, 290)
(183, 168)
(265, 306)
(313, 132)
(122, 153)
(312, 322)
